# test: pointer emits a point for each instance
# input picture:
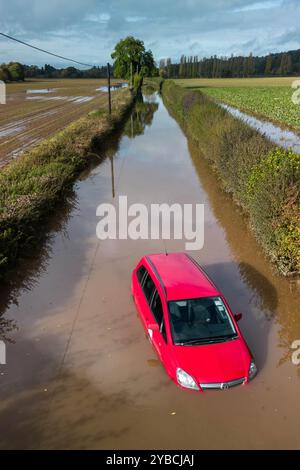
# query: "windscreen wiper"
(215, 339)
(195, 341)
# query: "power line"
(43, 50)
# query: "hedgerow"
(262, 178)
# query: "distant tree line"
(14, 72)
(279, 64)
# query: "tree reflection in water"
(32, 265)
(6, 327)
(141, 117)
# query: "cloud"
(288, 37)
(135, 19)
(88, 29)
(266, 5)
(102, 18)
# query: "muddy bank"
(32, 186)
(262, 178)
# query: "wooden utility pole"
(131, 78)
(108, 86)
(112, 177)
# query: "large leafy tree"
(148, 65)
(4, 73)
(131, 52)
(16, 71)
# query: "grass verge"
(263, 179)
(153, 84)
(32, 186)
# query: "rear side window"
(140, 274)
(148, 288)
(157, 309)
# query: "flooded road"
(80, 372)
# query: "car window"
(140, 274)
(148, 288)
(163, 331)
(204, 320)
(157, 310)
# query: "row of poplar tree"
(281, 64)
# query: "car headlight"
(185, 380)
(252, 370)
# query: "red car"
(190, 324)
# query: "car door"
(144, 297)
(158, 338)
(139, 296)
(150, 307)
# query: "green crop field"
(236, 82)
(270, 98)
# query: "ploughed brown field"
(39, 108)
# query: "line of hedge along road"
(262, 178)
(32, 186)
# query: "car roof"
(181, 276)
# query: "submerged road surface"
(80, 372)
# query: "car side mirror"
(238, 317)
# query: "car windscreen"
(200, 321)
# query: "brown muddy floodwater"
(80, 372)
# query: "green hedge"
(31, 186)
(154, 82)
(262, 178)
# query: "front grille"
(223, 385)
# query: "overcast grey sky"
(87, 30)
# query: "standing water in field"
(115, 87)
(80, 372)
(282, 138)
(34, 91)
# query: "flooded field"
(281, 137)
(80, 372)
(39, 109)
(115, 87)
(272, 99)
